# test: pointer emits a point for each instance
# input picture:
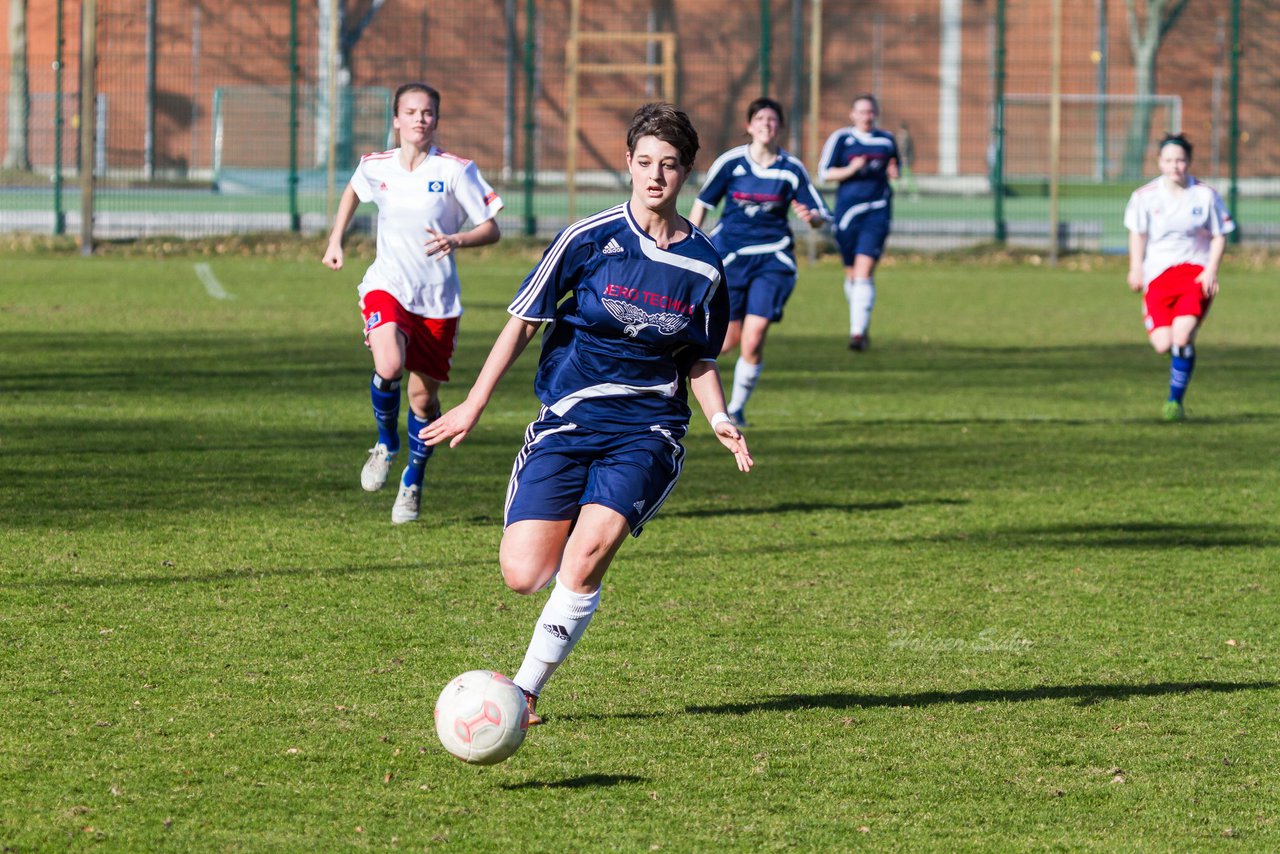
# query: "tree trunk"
(1137, 139)
(1145, 38)
(18, 105)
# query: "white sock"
(563, 620)
(745, 375)
(862, 296)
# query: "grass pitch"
(975, 596)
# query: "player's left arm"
(1208, 277)
(704, 382)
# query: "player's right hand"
(1135, 281)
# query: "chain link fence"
(214, 117)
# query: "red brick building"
(932, 63)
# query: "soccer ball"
(481, 717)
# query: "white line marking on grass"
(211, 284)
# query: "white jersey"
(442, 193)
(1178, 225)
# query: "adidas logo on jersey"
(738, 171)
(382, 186)
(612, 248)
(559, 631)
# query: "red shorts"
(1174, 293)
(430, 340)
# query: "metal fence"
(214, 116)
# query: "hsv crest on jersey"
(435, 186)
(635, 319)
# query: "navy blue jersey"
(628, 322)
(868, 188)
(757, 200)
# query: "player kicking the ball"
(637, 301)
(1177, 236)
(410, 296)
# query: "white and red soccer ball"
(481, 717)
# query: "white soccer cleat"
(374, 474)
(407, 505)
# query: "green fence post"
(997, 132)
(295, 218)
(530, 221)
(766, 46)
(59, 214)
(1233, 191)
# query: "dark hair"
(765, 104)
(416, 87)
(867, 96)
(1175, 139)
(668, 124)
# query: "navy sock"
(419, 451)
(386, 410)
(1182, 361)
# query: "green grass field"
(976, 596)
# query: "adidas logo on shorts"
(612, 248)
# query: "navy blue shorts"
(759, 284)
(563, 466)
(865, 234)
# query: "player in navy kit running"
(638, 308)
(410, 296)
(759, 183)
(1178, 231)
(863, 159)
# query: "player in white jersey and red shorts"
(410, 296)
(1177, 236)
(638, 310)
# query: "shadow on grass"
(813, 507)
(245, 574)
(1131, 535)
(1084, 695)
(586, 781)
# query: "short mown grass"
(975, 596)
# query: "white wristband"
(718, 419)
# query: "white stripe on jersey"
(662, 256)
(763, 248)
(756, 169)
(542, 273)
(828, 149)
(560, 407)
(862, 208)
